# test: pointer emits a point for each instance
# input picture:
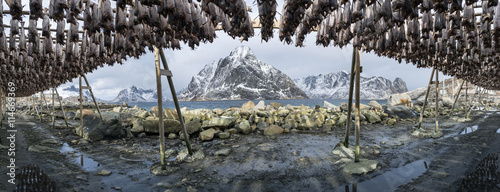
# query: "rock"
(42, 149)
(104, 172)
(172, 136)
(82, 177)
(342, 121)
(248, 105)
(244, 127)
(85, 112)
(262, 125)
(137, 126)
(276, 105)
(223, 135)
(207, 134)
(403, 112)
(218, 111)
(343, 106)
(361, 167)
(391, 122)
(142, 114)
(327, 127)
(399, 99)
(221, 123)
(191, 189)
(117, 109)
(361, 106)
(344, 152)
(48, 142)
(96, 129)
(117, 188)
(233, 130)
(151, 125)
(260, 105)
(223, 152)
(266, 146)
(330, 106)
(193, 126)
(273, 130)
(372, 117)
(170, 114)
(154, 111)
(141, 135)
(375, 105)
(376, 152)
(306, 123)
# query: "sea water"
(237, 103)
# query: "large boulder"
(306, 123)
(399, 99)
(375, 105)
(330, 106)
(244, 127)
(372, 117)
(193, 125)
(403, 112)
(221, 123)
(151, 125)
(141, 114)
(273, 130)
(248, 105)
(170, 113)
(85, 112)
(276, 105)
(154, 111)
(207, 134)
(95, 129)
(260, 106)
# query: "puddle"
(469, 130)
(498, 131)
(86, 163)
(390, 180)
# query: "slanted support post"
(92, 94)
(425, 100)
(349, 102)
(160, 109)
(456, 98)
(437, 100)
(176, 102)
(358, 109)
(53, 110)
(36, 109)
(81, 105)
(62, 109)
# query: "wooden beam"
(349, 101)
(160, 109)
(358, 108)
(425, 100)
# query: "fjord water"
(237, 103)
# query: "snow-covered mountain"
(135, 94)
(240, 76)
(336, 86)
(72, 91)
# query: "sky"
(296, 62)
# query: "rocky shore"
(120, 121)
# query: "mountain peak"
(242, 52)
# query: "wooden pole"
(37, 113)
(176, 102)
(425, 100)
(44, 103)
(437, 100)
(92, 94)
(473, 104)
(349, 102)
(53, 110)
(160, 109)
(358, 109)
(62, 109)
(456, 98)
(81, 100)
(466, 94)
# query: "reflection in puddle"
(86, 163)
(469, 129)
(391, 180)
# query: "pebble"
(223, 152)
(104, 172)
(82, 177)
(197, 171)
(456, 138)
(236, 146)
(383, 142)
(172, 136)
(191, 189)
(376, 152)
(377, 146)
(117, 188)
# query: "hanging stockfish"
(439, 23)
(59, 7)
(154, 17)
(73, 35)
(95, 19)
(267, 11)
(357, 10)
(36, 11)
(60, 32)
(16, 9)
(120, 20)
(106, 15)
(47, 45)
(338, 20)
(14, 27)
(22, 39)
(455, 5)
(468, 21)
(369, 20)
(346, 22)
(385, 11)
(141, 13)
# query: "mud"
(296, 161)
